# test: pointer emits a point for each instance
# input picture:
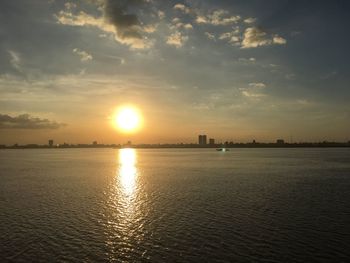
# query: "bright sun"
(127, 119)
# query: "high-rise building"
(211, 141)
(202, 139)
(280, 141)
(51, 143)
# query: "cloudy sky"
(235, 70)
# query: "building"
(202, 139)
(212, 141)
(280, 141)
(50, 143)
(94, 143)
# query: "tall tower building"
(202, 139)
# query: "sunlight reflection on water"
(127, 172)
(123, 209)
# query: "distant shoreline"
(183, 146)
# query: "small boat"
(222, 150)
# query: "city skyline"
(201, 143)
(235, 70)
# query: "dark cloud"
(126, 24)
(25, 121)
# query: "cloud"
(218, 17)
(290, 76)
(176, 23)
(225, 35)
(188, 26)
(25, 121)
(259, 85)
(247, 60)
(254, 37)
(150, 28)
(126, 27)
(176, 20)
(182, 8)
(202, 106)
(249, 20)
(70, 6)
(15, 60)
(161, 14)
(177, 39)
(66, 17)
(251, 94)
(232, 37)
(304, 102)
(84, 56)
(254, 90)
(279, 40)
(210, 36)
(201, 20)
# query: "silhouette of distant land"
(278, 144)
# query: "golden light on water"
(127, 170)
(127, 119)
(123, 210)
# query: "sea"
(175, 205)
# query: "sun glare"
(127, 119)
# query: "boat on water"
(222, 149)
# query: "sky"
(234, 70)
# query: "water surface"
(178, 205)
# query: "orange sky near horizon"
(229, 69)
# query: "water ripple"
(175, 205)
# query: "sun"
(127, 119)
